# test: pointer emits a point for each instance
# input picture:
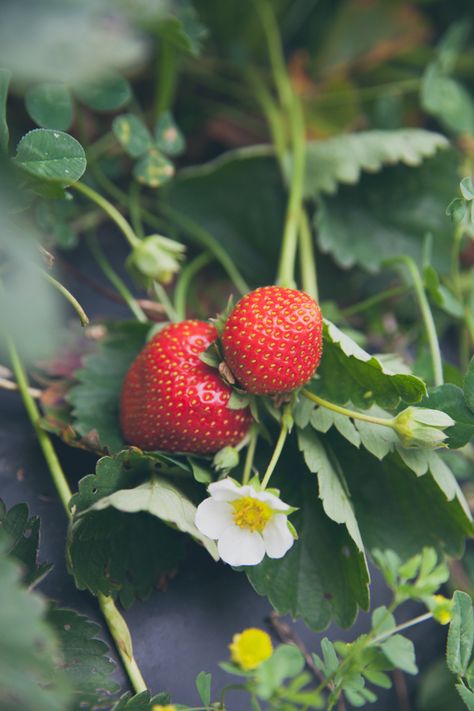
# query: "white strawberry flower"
(247, 523)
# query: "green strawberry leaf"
(206, 195)
(29, 650)
(323, 575)
(348, 373)
(452, 400)
(86, 660)
(51, 156)
(95, 399)
(159, 498)
(50, 106)
(109, 551)
(343, 159)
(399, 206)
(22, 540)
(332, 485)
(400, 510)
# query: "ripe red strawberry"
(173, 401)
(272, 340)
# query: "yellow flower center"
(250, 648)
(251, 513)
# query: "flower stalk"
(115, 622)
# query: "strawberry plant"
(275, 204)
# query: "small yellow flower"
(168, 707)
(442, 609)
(250, 648)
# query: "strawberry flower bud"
(155, 258)
(247, 523)
(420, 427)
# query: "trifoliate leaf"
(348, 373)
(110, 551)
(50, 106)
(132, 134)
(86, 660)
(108, 92)
(323, 575)
(52, 156)
(286, 661)
(153, 169)
(400, 651)
(344, 158)
(332, 486)
(397, 208)
(5, 76)
(21, 541)
(95, 399)
(29, 651)
(159, 498)
(461, 634)
(203, 686)
(168, 137)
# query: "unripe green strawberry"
(272, 340)
(173, 401)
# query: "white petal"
(213, 517)
(225, 490)
(238, 546)
(273, 501)
(277, 537)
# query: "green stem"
(374, 300)
(385, 422)
(114, 278)
(84, 319)
(184, 282)
(135, 209)
(286, 267)
(166, 78)
(276, 452)
(272, 114)
(44, 440)
(307, 261)
(292, 107)
(427, 317)
(123, 641)
(204, 239)
(250, 455)
(115, 622)
(111, 211)
(403, 626)
(165, 301)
